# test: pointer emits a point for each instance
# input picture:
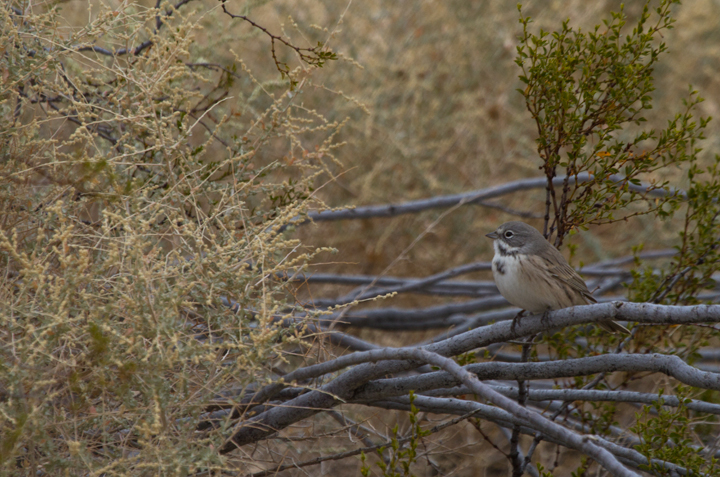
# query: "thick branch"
(343, 387)
(655, 363)
(595, 395)
(555, 431)
(392, 210)
(503, 418)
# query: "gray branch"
(542, 424)
(569, 438)
(440, 285)
(415, 318)
(451, 315)
(656, 363)
(437, 316)
(344, 386)
(539, 395)
(419, 283)
(392, 210)
(505, 419)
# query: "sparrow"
(533, 275)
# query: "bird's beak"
(492, 235)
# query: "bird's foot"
(545, 318)
(516, 320)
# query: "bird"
(533, 275)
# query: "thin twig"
(473, 197)
(515, 454)
(343, 455)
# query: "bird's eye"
(509, 234)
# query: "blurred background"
(427, 94)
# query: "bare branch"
(343, 455)
(538, 395)
(437, 284)
(655, 363)
(516, 456)
(556, 431)
(392, 210)
(421, 283)
(312, 56)
(343, 388)
(505, 419)
(416, 318)
(142, 46)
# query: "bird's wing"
(560, 270)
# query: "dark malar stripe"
(506, 252)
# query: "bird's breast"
(527, 285)
(508, 278)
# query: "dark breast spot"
(499, 267)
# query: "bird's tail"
(613, 327)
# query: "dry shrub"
(143, 191)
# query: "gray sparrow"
(533, 275)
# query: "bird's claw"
(516, 320)
(545, 319)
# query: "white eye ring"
(508, 234)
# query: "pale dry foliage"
(141, 193)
